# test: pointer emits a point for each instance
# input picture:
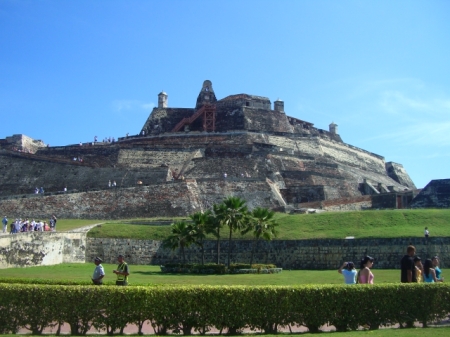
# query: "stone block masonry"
(41, 249)
(178, 198)
(48, 248)
(319, 254)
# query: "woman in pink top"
(365, 275)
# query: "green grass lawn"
(64, 225)
(336, 225)
(145, 274)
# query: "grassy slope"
(365, 224)
(145, 274)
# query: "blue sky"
(70, 70)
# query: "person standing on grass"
(364, 274)
(408, 268)
(99, 272)
(419, 269)
(122, 272)
(348, 270)
(426, 233)
(435, 261)
(429, 273)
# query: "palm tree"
(262, 225)
(202, 225)
(216, 225)
(233, 213)
(182, 235)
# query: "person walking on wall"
(99, 272)
(5, 223)
(364, 274)
(348, 270)
(408, 268)
(122, 272)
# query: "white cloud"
(421, 133)
(130, 106)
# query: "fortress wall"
(41, 249)
(288, 254)
(23, 175)
(140, 158)
(349, 155)
(266, 120)
(358, 175)
(215, 167)
(98, 155)
(257, 193)
(399, 174)
(166, 118)
(178, 198)
(303, 145)
(143, 201)
(48, 248)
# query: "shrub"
(201, 308)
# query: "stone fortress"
(186, 159)
(176, 165)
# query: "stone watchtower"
(278, 105)
(333, 128)
(206, 95)
(162, 100)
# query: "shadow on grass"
(158, 273)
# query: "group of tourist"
(39, 190)
(25, 225)
(412, 269)
(121, 272)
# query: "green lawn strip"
(417, 332)
(145, 274)
(329, 225)
(64, 225)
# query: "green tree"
(232, 212)
(202, 225)
(216, 225)
(182, 235)
(262, 225)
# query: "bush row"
(213, 268)
(230, 309)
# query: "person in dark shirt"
(408, 268)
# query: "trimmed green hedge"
(200, 308)
(213, 268)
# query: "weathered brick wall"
(22, 174)
(179, 198)
(288, 254)
(41, 248)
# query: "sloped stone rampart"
(178, 198)
(435, 195)
(287, 254)
(41, 249)
(24, 174)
